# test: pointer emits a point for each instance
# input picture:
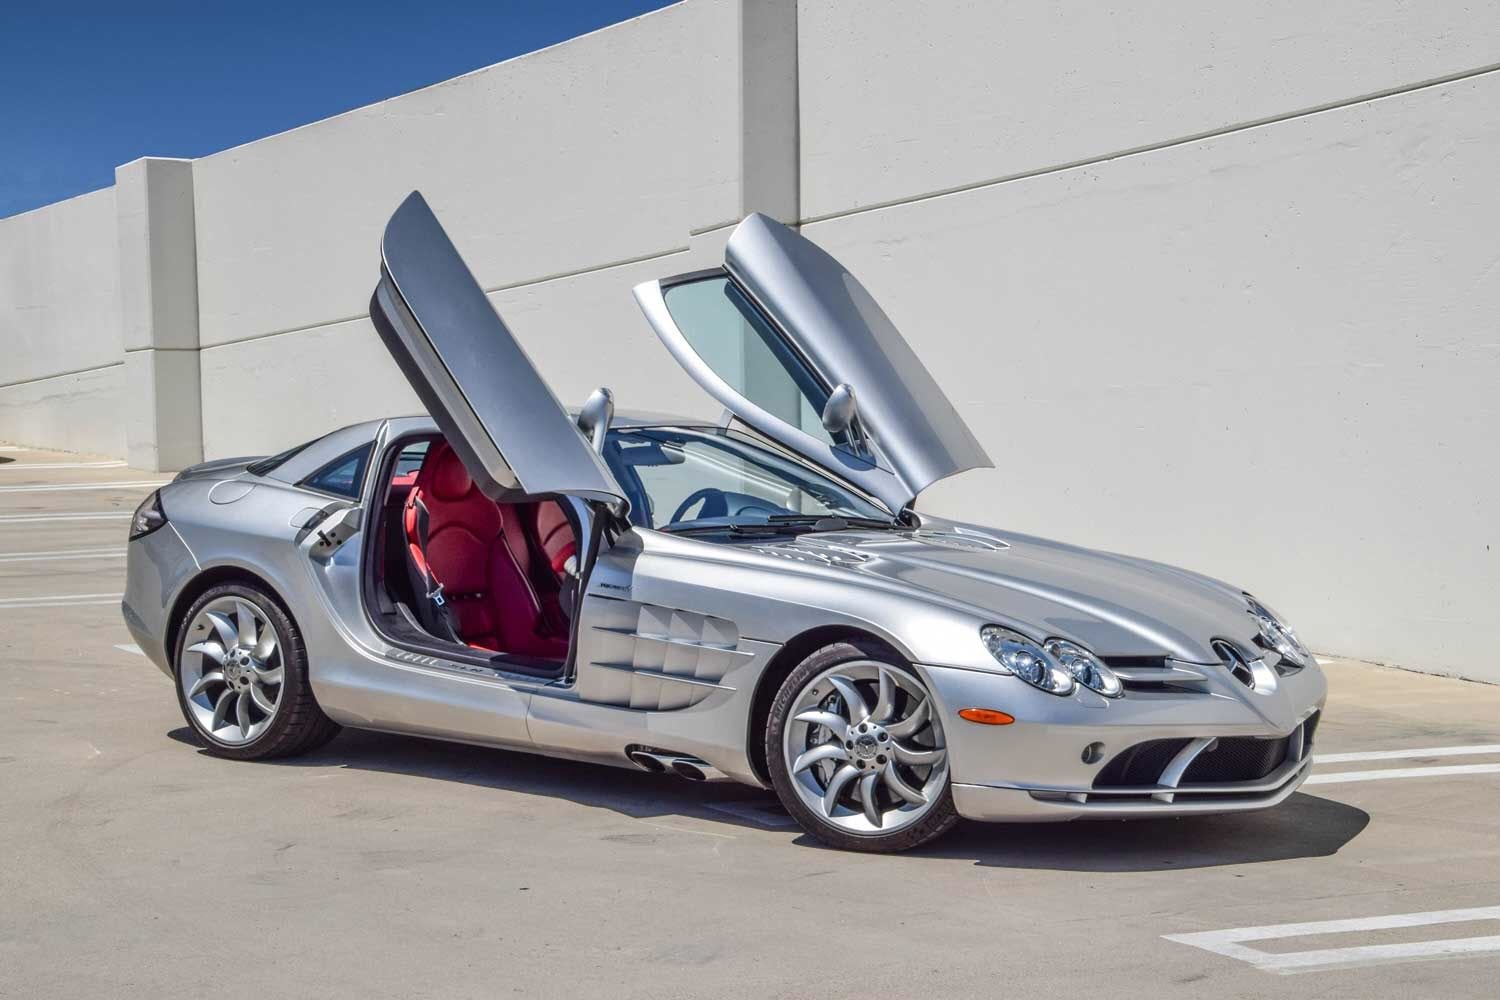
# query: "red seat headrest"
(448, 479)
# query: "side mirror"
(841, 416)
(840, 410)
(593, 419)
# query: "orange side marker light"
(986, 716)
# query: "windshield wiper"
(830, 522)
(780, 524)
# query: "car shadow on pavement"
(1305, 826)
(633, 793)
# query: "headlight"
(1277, 634)
(147, 517)
(1018, 655)
(1085, 668)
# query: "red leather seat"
(480, 553)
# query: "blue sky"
(85, 87)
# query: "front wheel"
(856, 751)
(242, 677)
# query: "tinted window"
(343, 476)
(744, 350)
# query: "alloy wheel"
(230, 670)
(864, 748)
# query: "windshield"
(682, 479)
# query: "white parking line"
(19, 466)
(1228, 942)
(1390, 773)
(131, 648)
(6, 557)
(57, 601)
(43, 518)
(1347, 758)
(81, 487)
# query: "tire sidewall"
(940, 818)
(293, 665)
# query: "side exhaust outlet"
(682, 765)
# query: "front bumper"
(1037, 769)
(1002, 804)
(156, 567)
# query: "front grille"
(1237, 758)
(1308, 728)
(1142, 764)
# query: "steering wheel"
(714, 504)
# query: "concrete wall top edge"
(1012, 88)
(608, 149)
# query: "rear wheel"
(856, 751)
(242, 677)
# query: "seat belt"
(540, 559)
(442, 612)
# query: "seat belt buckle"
(435, 595)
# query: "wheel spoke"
(828, 720)
(867, 794)
(271, 675)
(885, 704)
(912, 722)
(262, 702)
(221, 709)
(897, 784)
(266, 647)
(228, 637)
(854, 703)
(836, 786)
(888, 768)
(918, 758)
(246, 619)
(210, 649)
(204, 682)
(242, 713)
(828, 751)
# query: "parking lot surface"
(132, 864)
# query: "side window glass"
(744, 350)
(343, 476)
(409, 462)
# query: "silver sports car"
(753, 600)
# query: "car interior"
(495, 579)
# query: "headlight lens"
(1018, 655)
(147, 517)
(1277, 634)
(1084, 667)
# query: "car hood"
(1116, 605)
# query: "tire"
(787, 736)
(297, 725)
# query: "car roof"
(622, 418)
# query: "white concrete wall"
(608, 148)
(61, 341)
(1215, 283)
